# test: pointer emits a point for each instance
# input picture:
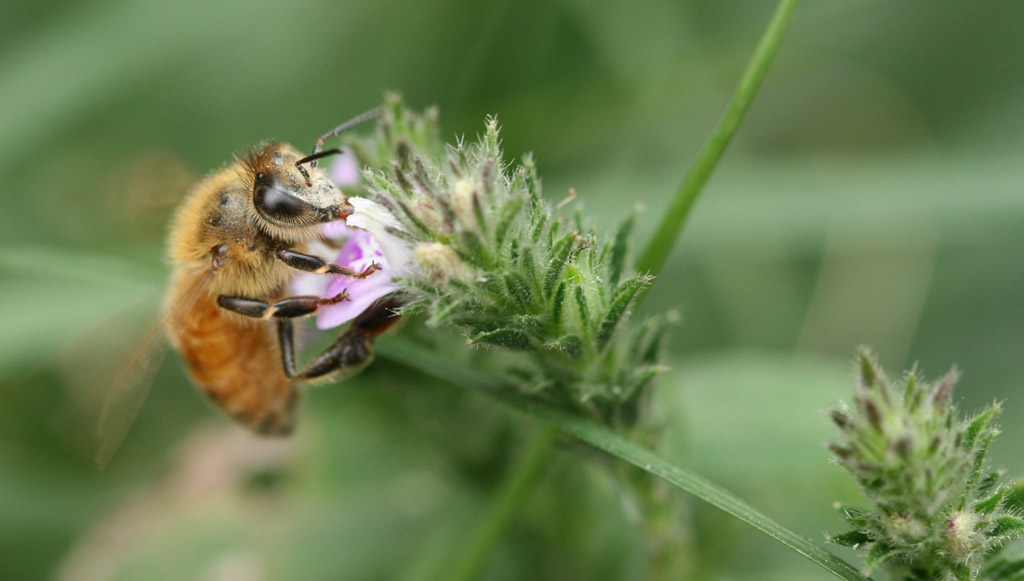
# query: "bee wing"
(130, 387)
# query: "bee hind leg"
(352, 349)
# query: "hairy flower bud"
(960, 534)
(937, 511)
(426, 212)
(439, 261)
(463, 200)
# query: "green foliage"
(937, 510)
(878, 184)
(492, 258)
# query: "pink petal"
(345, 169)
(336, 230)
(359, 252)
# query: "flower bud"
(960, 534)
(937, 509)
(907, 527)
(439, 261)
(429, 216)
(463, 199)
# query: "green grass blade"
(654, 255)
(604, 439)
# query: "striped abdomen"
(238, 364)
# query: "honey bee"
(235, 243)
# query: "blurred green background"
(874, 195)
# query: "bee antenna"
(353, 122)
(316, 156)
(312, 160)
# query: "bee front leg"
(353, 348)
(316, 265)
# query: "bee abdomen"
(238, 365)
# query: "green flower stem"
(524, 477)
(404, 352)
(661, 243)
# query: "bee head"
(290, 198)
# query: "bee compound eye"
(276, 203)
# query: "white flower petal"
(377, 220)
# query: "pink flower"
(359, 251)
(366, 241)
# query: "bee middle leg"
(353, 348)
(287, 308)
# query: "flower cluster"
(937, 510)
(472, 244)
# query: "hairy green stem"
(664, 239)
(431, 363)
(521, 481)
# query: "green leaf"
(512, 339)
(457, 373)
(557, 259)
(1005, 570)
(854, 516)
(1008, 526)
(850, 539)
(508, 215)
(447, 213)
(914, 395)
(869, 374)
(963, 573)
(519, 289)
(557, 304)
(529, 266)
(532, 181)
(649, 340)
(402, 180)
(475, 250)
(991, 503)
(461, 286)
(879, 554)
(538, 228)
(1015, 497)
(530, 324)
(439, 314)
(478, 211)
(571, 345)
(988, 482)
(584, 310)
(427, 232)
(641, 377)
(491, 286)
(623, 300)
(979, 425)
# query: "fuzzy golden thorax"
(247, 211)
